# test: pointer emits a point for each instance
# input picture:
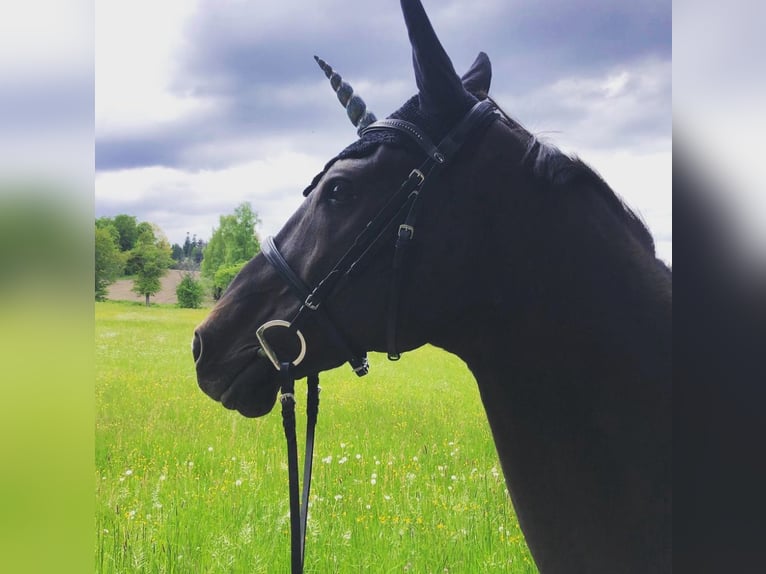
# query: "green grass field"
(406, 478)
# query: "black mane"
(557, 170)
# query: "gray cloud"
(253, 62)
(626, 106)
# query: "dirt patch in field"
(122, 290)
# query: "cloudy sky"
(203, 104)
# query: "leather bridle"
(402, 209)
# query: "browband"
(450, 144)
(411, 130)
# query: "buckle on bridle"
(404, 228)
(363, 368)
(419, 174)
(309, 302)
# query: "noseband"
(402, 210)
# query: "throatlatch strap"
(404, 237)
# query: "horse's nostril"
(196, 347)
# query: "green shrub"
(189, 292)
(223, 276)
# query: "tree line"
(140, 250)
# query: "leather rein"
(401, 209)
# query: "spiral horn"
(356, 109)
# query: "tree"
(108, 223)
(197, 253)
(177, 253)
(109, 259)
(128, 230)
(224, 276)
(147, 232)
(189, 255)
(127, 227)
(189, 292)
(233, 243)
(151, 256)
(188, 245)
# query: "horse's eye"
(340, 192)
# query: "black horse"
(521, 261)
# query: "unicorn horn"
(356, 109)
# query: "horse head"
(355, 186)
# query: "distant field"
(122, 290)
(406, 476)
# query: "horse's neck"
(582, 428)
(573, 365)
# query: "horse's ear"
(440, 90)
(478, 77)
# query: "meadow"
(406, 477)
